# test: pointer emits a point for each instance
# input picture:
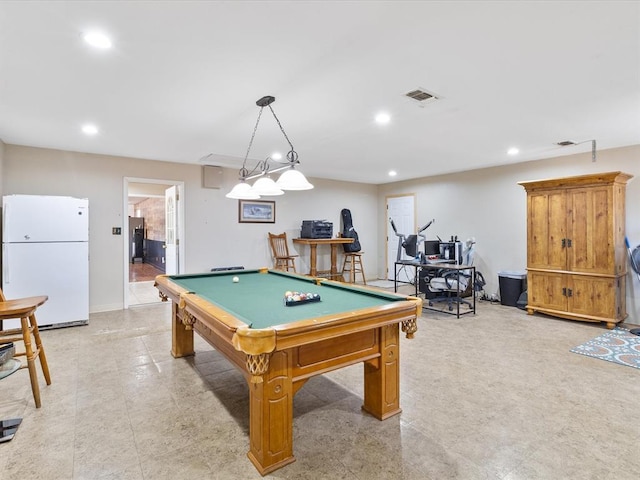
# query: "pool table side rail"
(333, 326)
(280, 337)
(358, 320)
(163, 280)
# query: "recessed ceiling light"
(383, 118)
(276, 155)
(97, 40)
(513, 151)
(89, 129)
(392, 173)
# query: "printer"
(316, 229)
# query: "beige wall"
(213, 236)
(487, 204)
(490, 205)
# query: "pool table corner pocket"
(257, 344)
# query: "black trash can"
(512, 284)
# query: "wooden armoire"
(576, 252)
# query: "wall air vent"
(421, 96)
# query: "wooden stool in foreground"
(25, 310)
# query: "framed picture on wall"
(256, 211)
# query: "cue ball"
(235, 279)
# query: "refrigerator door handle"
(5, 265)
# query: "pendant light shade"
(243, 191)
(267, 187)
(292, 179)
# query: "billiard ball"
(235, 279)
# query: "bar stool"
(353, 264)
(24, 309)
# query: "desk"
(278, 348)
(446, 265)
(313, 247)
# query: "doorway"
(400, 209)
(151, 245)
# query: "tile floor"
(141, 293)
(497, 395)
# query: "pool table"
(279, 347)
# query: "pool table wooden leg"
(181, 336)
(382, 376)
(271, 416)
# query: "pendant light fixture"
(291, 178)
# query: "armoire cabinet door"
(546, 290)
(590, 230)
(547, 227)
(596, 296)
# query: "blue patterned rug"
(617, 346)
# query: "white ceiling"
(182, 79)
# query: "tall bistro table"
(313, 243)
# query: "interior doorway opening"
(400, 209)
(151, 245)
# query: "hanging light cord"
(292, 156)
(244, 173)
(263, 165)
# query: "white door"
(171, 198)
(402, 210)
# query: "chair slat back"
(278, 243)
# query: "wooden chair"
(352, 264)
(25, 310)
(280, 250)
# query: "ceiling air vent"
(421, 96)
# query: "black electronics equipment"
(316, 229)
(432, 247)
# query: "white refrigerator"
(45, 251)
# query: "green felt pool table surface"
(258, 297)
